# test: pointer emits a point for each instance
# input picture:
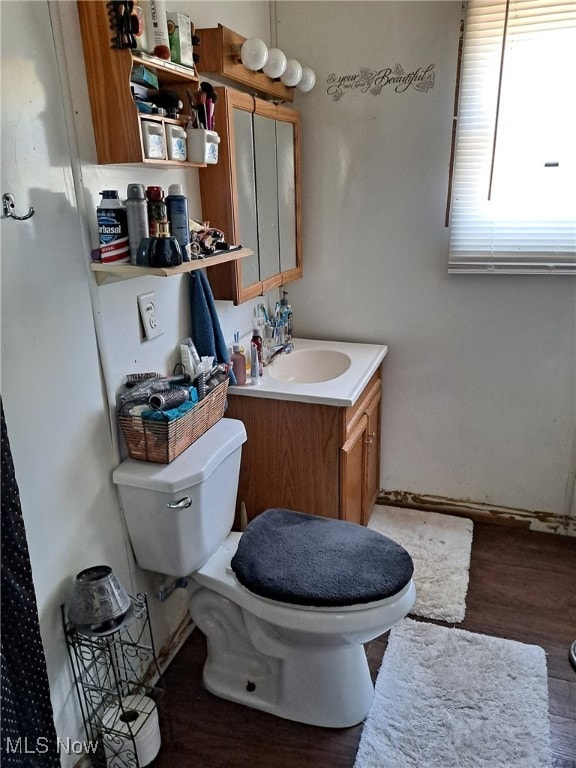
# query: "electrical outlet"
(149, 315)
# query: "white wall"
(479, 382)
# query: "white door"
(41, 258)
(51, 386)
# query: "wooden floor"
(522, 587)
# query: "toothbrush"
(265, 314)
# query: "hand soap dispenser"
(286, 316)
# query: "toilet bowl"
(284, 612)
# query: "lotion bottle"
(238, 364)
(178, 218)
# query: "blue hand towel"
(206, 331)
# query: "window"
(513, 192)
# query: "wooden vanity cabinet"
(253, 194)
(360, 457)
(319, 459)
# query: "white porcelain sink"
(309, 366)
(317, 371)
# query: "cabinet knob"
(370, 438)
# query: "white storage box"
(154, 140)
(176, 142)
(202, 146)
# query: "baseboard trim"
(482, 512)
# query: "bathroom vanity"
(313, 445)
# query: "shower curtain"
(28, 735)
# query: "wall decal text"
(374, 82)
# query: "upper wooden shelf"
(127, 271)
(166, 71)
(115, 116)
(220, 58)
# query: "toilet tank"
(178, 514)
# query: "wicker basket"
(162, 442)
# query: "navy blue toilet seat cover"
(307, 560)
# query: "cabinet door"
(247, 214)
(353, 481)
(266, 173)
(253, 194)
(287, 198)
(372, 413)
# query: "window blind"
(513, 197)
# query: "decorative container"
(99, 602)
(162, 442)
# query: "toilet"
(287, 605)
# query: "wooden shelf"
(115, 116)
(220, 58)
(166, 71)
(127, 271)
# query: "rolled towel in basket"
(171, 413)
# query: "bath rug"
(448, 698)
(440, 549)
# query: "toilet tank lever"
(182, 503)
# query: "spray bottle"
(178, 217)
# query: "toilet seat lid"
(303, 559)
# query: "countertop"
(344, 390)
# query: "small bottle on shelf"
(112, 228)
(137, 214)
(178, 218)
(157, 212)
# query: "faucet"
(277, 349)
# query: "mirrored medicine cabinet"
(253, 194)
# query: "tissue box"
(202, 146)
(180, 35)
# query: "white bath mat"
(440, 548)
(447, 698)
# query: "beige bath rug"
(440, 548)
(448, 698)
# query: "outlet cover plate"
(149, 315)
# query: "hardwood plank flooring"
(522, 587)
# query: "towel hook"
(8, 207)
